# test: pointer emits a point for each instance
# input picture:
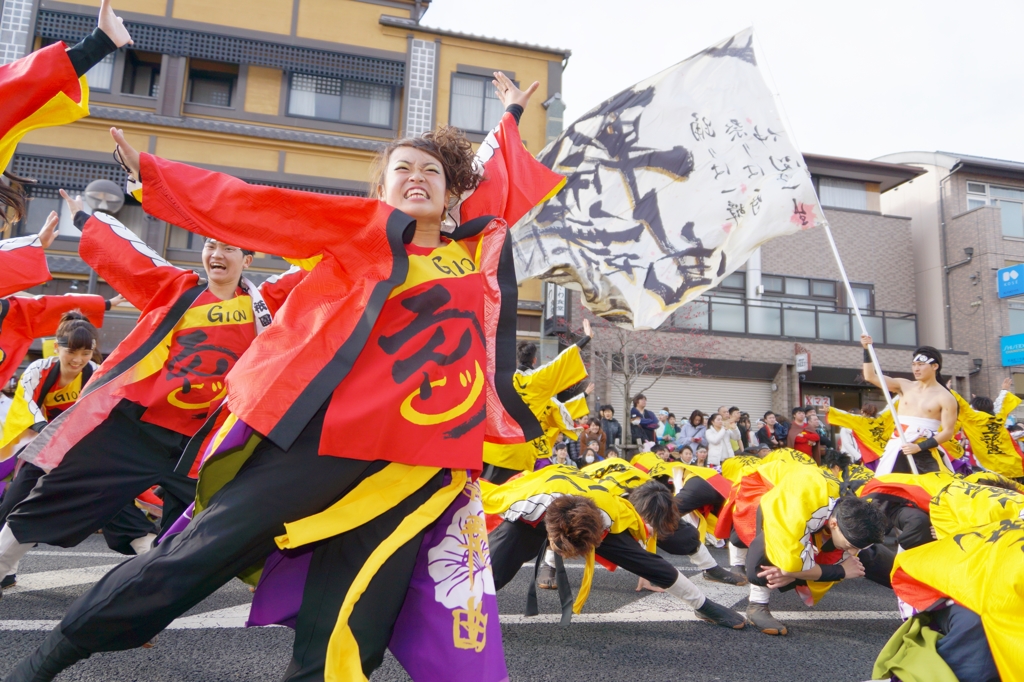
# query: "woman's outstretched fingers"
(74, 205)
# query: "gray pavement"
(622, 635)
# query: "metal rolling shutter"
(682, 395)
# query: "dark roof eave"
(988, 166)
(887, 175)
(402, 22)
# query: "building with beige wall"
(291, 93)
(969, 223)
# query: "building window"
(141, 74)
(1009, 201)
(183, 240)
(737, 280)
(475, 107)
(1016, 321)
(101, 76)
(843, 193)
(211, 83)
(865, 296)
(528, 323)
(334, 99)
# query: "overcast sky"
(856, 79)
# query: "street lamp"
(106, 196)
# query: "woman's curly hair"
(13, 206)
(449, 146)
(574, 525)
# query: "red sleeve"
(22, 263)
(30, 82)
(514, 182)
(120, 257)
(283, 222)
(38, 316)
(276, 289)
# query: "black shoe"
(761, 618)
(720, 615)
(8, 581)
(546, 578)
(717, 574)
(54, 655)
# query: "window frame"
(341, 106)
(223, 76)
(451, 93)
(129, 67)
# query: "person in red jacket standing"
(398, 326)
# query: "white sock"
(14, 568)
(758, 594)
(737, 555)
(683, 589)
(702, 559)
(143, 544)
(11, 551)
(549, 557)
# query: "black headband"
(860, 542)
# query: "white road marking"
(48, 580)
(684, 616)
(105, 555)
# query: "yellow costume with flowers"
(962, 505)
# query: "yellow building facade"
(289, 93)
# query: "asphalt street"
(622, 634)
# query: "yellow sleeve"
(20, 417)
(796, 508)
(968, 415)
(1008, 402)
(559, 374)
(578, 407)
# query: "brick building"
(790, 300)
(968, 217)
(290, 93)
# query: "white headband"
(924, 358)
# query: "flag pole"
(871, 347)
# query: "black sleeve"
(582, 341)
(90, 51)
(81, 218)
(516, 111)
(831, 573)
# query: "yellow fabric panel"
(577, 406)
(343, 661)
(739, 466)
(369, 499)
(963, 505)
(647, 460)
(990, 441)
(61, 397)
(60, 110)
(450, 261)
(617, 475)
(306, 264)
(19, 419)
(788, 455)
(873, 432)
(537, 386)
(983, 570)
(563, 480)
(798, 506)
(588, 579)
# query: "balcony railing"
(794, 320)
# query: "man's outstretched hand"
(113, 25)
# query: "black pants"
(513, 543)
(127, 525)
(965, 647)
(697, 493)
(924, 460)
(684, 542)
(140, 597)
(102, 474)
(877, 560)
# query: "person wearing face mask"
(400, 325)
(592, 453)
(151, 395)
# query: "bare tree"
(634, 361)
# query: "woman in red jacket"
(399, 328)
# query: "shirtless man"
(926, 410)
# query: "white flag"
(672, 185)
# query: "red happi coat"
(321, 331)
(24, 318)
(39, 90)
(23, 263)
(163, 293)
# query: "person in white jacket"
(719, 434)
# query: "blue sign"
(1010, 281)
(1012, 350)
